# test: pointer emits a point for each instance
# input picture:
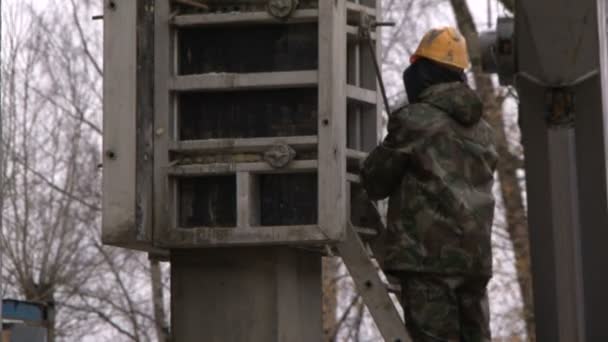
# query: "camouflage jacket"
(437, 166)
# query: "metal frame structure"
(142, 85)
(139, 179)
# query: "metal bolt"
(111, 154)
(325, 122)
(368, 284)
(112, 5)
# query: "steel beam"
(558, 43)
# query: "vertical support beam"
(243, 200)
(566, 168)
(540, 214)
(163, 117)
(120, 93)
(566, 231)
(128, 124)
(144, 134)
(246, 294)
(593, 205)
(332, 118)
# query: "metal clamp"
(279, 156)
(281, 9)
(560, 107)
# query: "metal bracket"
(559, 98)
(560, 107)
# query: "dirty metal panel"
(361, 127)
(288, 199)
(207, 201)
(248, 114)
(353, 127)
(367, 70)
(262, 48)
(128, 125)
(144, 162)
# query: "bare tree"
(51, 214)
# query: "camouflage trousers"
(445, 308)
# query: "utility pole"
(556, 54)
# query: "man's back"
(437, 165)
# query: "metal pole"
(565, 166)
(256, 294)
(366, 35)
(372, 49)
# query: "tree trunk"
(510, 187)
(330, 296)
(158, 300)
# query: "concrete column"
(263, 294)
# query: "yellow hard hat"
(444, 45)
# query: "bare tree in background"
(50, 238)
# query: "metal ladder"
(372, 288)
(354, 252)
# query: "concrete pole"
(265, 294)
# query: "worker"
(436, 165)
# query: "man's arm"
(383, 169)
(386, 165)
(382, 172)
